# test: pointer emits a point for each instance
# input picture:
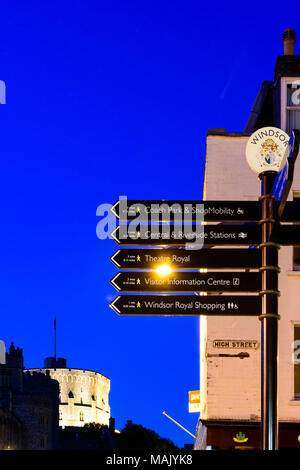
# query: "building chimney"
(289, 39)
(2, 353)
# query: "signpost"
(180, 258)
(267, 158)
(211, 211)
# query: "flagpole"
(55, 338)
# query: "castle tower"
(84, 394)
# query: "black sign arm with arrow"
(293, 149)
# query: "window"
(293, 106)
(297, 362)
(43, 442)
(296, 249)
(42, 420)
(81, 416)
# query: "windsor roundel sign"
(266, 149)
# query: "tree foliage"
(90, 436)
(93, 430)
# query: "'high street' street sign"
(180, 258)
(187, 282)
(172, 305)
(187, 234)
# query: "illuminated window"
(81, 416)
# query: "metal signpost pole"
(275, 186)
(268, 150)
(269, 317)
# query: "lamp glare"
(163, 270)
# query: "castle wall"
(37, 407)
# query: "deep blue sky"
(106, 99)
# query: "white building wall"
(230, 387)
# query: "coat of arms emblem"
(269, 152)
(266, 149)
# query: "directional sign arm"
(166, 211)
(180, 235)
(180, 258)
(186, 305)
(187, 282)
